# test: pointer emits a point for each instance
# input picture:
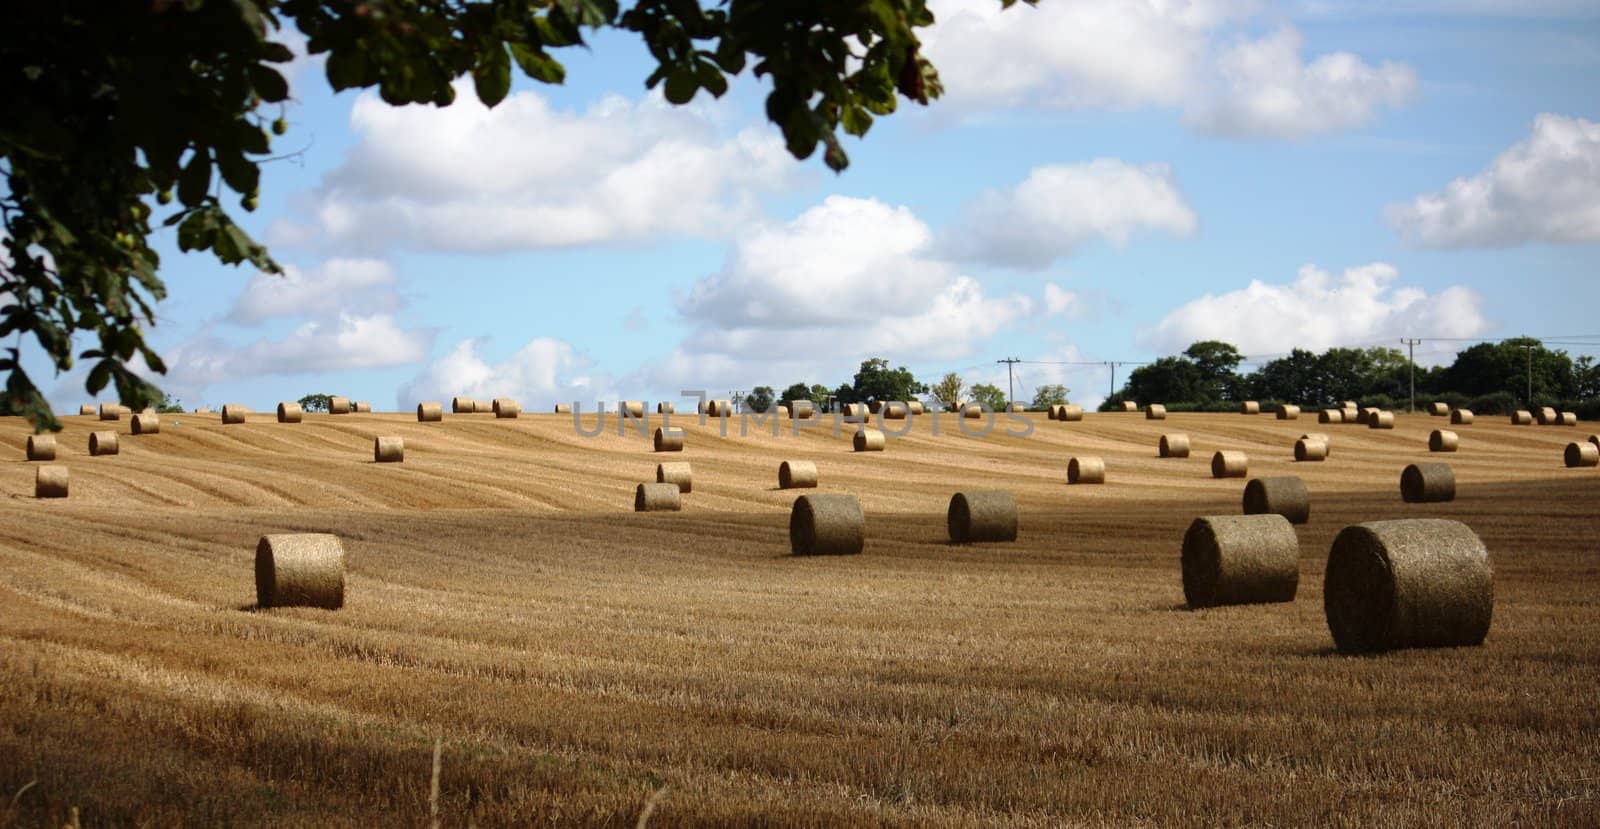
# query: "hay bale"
(719, 408)
(894, 410)
(1349, 404)
(1052, 411)
(675, 473)
(1155, 411)
(563, 408)
(1330, 416)
(339, 405)
(826, 525)
(290, 412)
(668, 440)
(783, 412)
(662, 497)
(1240, 559)
(1250, 407)
(86, 409)
(1288, 412)
(1547, 416)
(1351, 415)
(1461, 417)
(916, 407)
(982, 515)
(41, 447)
(666, 408)
(868, 440)
(506, 408)
(1443, 440)
(1428, 483)
(463, 405)
(1285, 496)
(875, 406)
(1438, 409)
(429, 412)
(1130, 406)
(300, 570)
(1322, 436)
(1381, 420)
(110, 411)
(1569, 418)
(388, 449)
(1229, 464)
(1582, 454)
(1307, 450)
(972, 411)
(50, 481)
(1018, 408)
(1411, 583)
(361, 406)
(631, 408)
(1086, 471)
(102, 443)
(1595, 439)
(1522, 417)
(802, 409)
(203, 410)
(482, 406)
(797, 475)
(856, 412)
(147, 424)
(1367, 415)
(1071, 413)
(1173, 446)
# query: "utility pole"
(1529, 349)
(1113, 365)
(1010, 387)
(1411, 347)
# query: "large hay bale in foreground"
(147, 424)
(659, 497)
(463, 405)
(50, 481)
(797, 475)
(1130, 405)
(388, 449)
(506, 408)
(1086, 471)
(290, 412)
(1443, 440)
(430, 412)
(339, 405)
(1547, 416)
(1288, 412)
(868, 440)
(1286, 496)
(300, 570)
(826, 525)
(982, 515)
(1228, 463)
(676, 473)
(1250, 407)
(802, 409)
(86, 409)
(102, 443)
(1173, 446)
(1438, 409)
(233, 413)
(1461, 417)
(1155, 411)
(41, 447)
(1330, 416)
(110, 411)
(668, 440)
(1307, 450)
(1582, 454)
(1522, 417)
(1070, 413)
(1240, 559)
(1381, 420)
(1428, 483)
(1411, 583)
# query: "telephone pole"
(1529, 349)
(1411, 348)
(1113, 364)
(1010, 389)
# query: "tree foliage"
(949, 391)
(759, 399)
(316, 402)
(1049, 394)
(876, 381)
(991, 396)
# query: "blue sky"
(1103, 181)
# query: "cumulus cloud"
(1545, 188)
(324, 290)
(543, 372)
(341, 343)
(1318, 310)
(526, 175)
(1060, 207)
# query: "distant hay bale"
(1443, 440)
(783, 412)
(1381, 420)
(1350, 415)
(1461, 417)
(1322, 436)
(1522, 417)
(86, 409)
(300, 570)
(430, 412)
(290, 412)
(563, 408)
(388, 449)
(1411, 583)
(361, 406)
(1306, 451)
(147, 424)
(1155, 411)
(894, 410)
(1130, 406)
(1229, 464)
(826, 525)
(339, 405)
(110, 411)
(102, 443)
(665, 408)
(1071, 413)
(1330, 416)
(1582, 454)
(1428, 483)
(233, 413)
(1367, 414)
(1053, 411)
(1250, 407)
(1349, 404)
(802, 409)
(982, 515)
(1595, 439)
(875, 406)
(1438, 409)
(1240, 559)
(1173, 446)
(668, 440)
(482, 406)
(1569, 418)
(1285, 496)
(41, 447)
(719, 408)
(631, 408)
(203, 410)
(506, 408)
(916, 407)
(797, 475)
(661, 497)
(1086, 471)
(679, 474)
(463, 405)
(868, 440)
(1288, 412)
(50, 481)
(1547, 416)
(1017, 408)
(972, 411)
(857, 412)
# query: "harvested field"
(575, 657)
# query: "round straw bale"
(388, 449)
(1330, 416)
(868, 440)
(1569, 418)
(338, 405)
(1322, 436)
(1229, 464)
(675, 473)
(1240, 559)
(1350, 415)
(1349, 404)
(797, 475)
(665, 408)
(290, 412)
(1367, 415)
(430, 412)
(1427, 483)
(719, 408)
(915, 407)
(982, 515)
(1086, 471)
(1155, 411)
(202, 410)
(233, 413)
(300, 570)
(663, 497)
(826, 525)
(1288, 412)
(1582, 454)
(1547, 416)
(802, 409)
(1071, 413)
(41, 447)
(1521, 417)
(1443, 440)
(1438, 408)
(1411, 583)
(631, 408)
(1019, 408)
(894, 410)
(783, 412)
(1130, 405)
(972, 411)
(110, 411)
(875, 406)
(102, 443)
(1285, 496)
(1250, 407)
(1381, 420)
(50, 481)
(563, 408)
(86, 409)
(1306, 449)
(505, 407)
(668, 440)
(1461, 417)
(482, 406)
(147, 424)
(462, 405)
(1173, 446)
(857, 411)
(1595, 439)
(1054, 411)
(361, 406)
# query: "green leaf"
(347, 68)
(681, 86)
(268, 83)
(98, 376)
(240, 174)
(492, 75)
(710, 78)
(195, 180)
(856, 121)
(538, 65)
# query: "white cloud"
(525, 175)
(1059, 207)
(345, 342)
(1318, 310)
(334, 285)
(1545, 188)
(543, 372)
(1060, 301)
